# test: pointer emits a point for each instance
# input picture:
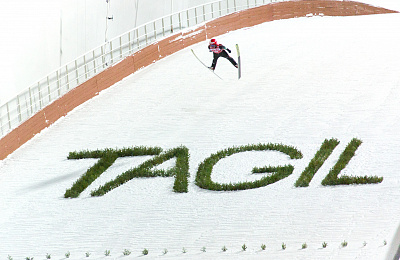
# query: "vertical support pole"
(85, 65)
(145, 33)
(195, 15)
(234, 3)
(94, 63)
(187, 18)
(103, 58)
(111, 53)
(163, 27)
(129, 43)
(120, 47)
(137, 38)
(58, 83)
(212, 10)
(67, 74)
(8, 116)
(172, 24)
(155, 30)
(219, 5)
(30, 100)
(19, 109)
(180, 21)
(48, 87)
(40, 96)
(77, 73)
(204, 13)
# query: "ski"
(239, 65)
(205, 65)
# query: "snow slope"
(304, 80)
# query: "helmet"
(213, 41)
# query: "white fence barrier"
(69, 76)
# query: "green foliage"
(28, 258)
(344, 243)
(384, 242)
(87, 254)
(107, 253)
(165, 251)
(244, 247)
(48, 256)
(224, 249)
(324, 245)
(203, 177)
(181, 171)
(9, 257)
(67, 255)
(145, 252)
(345, 157)
(107, 158)
(283, 246)
(126, 252)
(184, 250)
(304, 246)
(203, 249)
(320, 157)
(263, 247)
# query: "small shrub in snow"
(67, 255)
(107, 253)
(365, 243)
(126, 252)
(9, 257)
(87, 254)
(48, 256)
(324, 245)
(244, 247)
(304, 246)
(384, 242)
(145, 252)
(344, 243)
(263, 247)
(28, 258)
(184, 250)
(283, 246)
(165, 251)
(224, 249)
(203, 249)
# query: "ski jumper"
(219, 50)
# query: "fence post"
(58, 83)
(48, 87)
(195, 15)
(137, 38)
(180, 21)
(187, 18)
(40, 96)
(234, 3)
(30, 99)
(76, 73)
(120, 47)
(19, 109)
(8, 116)
(155, 31)
(145, 33)
(66, 69)
(219, 5)
(94, 63)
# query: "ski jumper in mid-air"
(219, 50)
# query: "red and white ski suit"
(219, 50)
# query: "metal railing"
(56, 84)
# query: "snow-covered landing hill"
(304, 80)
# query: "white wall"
(37, 36)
